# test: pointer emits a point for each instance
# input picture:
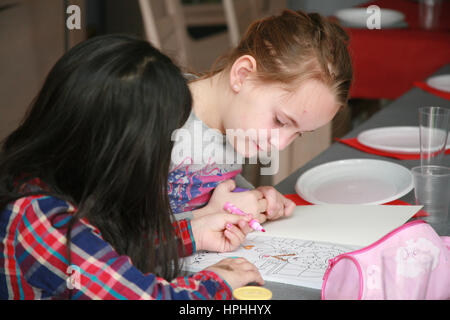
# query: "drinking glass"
(433, 123)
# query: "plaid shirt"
(34, 264)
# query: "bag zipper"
(331, 263)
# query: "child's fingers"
(245, 227)
(232, 240)
(275, 211)
(233, 219)
(234, 235)
(228, 185)
(273, 205)
(256, 277)
(261, 217)
(236, 231)
(262, 205)
(289, 207)
(258, 194)
(252, 272)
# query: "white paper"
(359, 225)
(296, 250)
(290, 261)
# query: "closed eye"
(278, 122)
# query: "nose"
(281, 140)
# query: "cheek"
(233, 118)
(250, 119)
(281, 138)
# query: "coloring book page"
(290, 261)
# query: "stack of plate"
(404, 140)
(441, 82)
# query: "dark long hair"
(99, 135)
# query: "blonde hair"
(293, 47)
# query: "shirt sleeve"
(96, 270)
(185, 237)
(184, 215)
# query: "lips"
(259, 148)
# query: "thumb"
(289, 207)
(228, 185)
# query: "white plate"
(355, 181)
(357, 17)
(440, 82)
(403, 140)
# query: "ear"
(243, 68)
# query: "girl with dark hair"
(83, 186)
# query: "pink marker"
(233, 209)
(254, 224)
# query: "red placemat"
(426, 87)
(386, 62)
(302, 202)
(411, 11)
(354, 143)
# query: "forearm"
(193, 214)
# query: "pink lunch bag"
(357, 274)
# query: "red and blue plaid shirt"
(34, 264)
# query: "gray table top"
(401, 112)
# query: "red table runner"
(424, 86)
(387, 62)
(354, 143)
(301, 202)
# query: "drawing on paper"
(283, 260)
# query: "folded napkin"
(437, 92)
(353, 142)
(299, 201)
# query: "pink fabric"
(358, 274)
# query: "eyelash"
(278, 122)
(281, 124)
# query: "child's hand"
(277, 205)
(237, 272)
(251, 201)
(220, 232)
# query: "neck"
(210, 98)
